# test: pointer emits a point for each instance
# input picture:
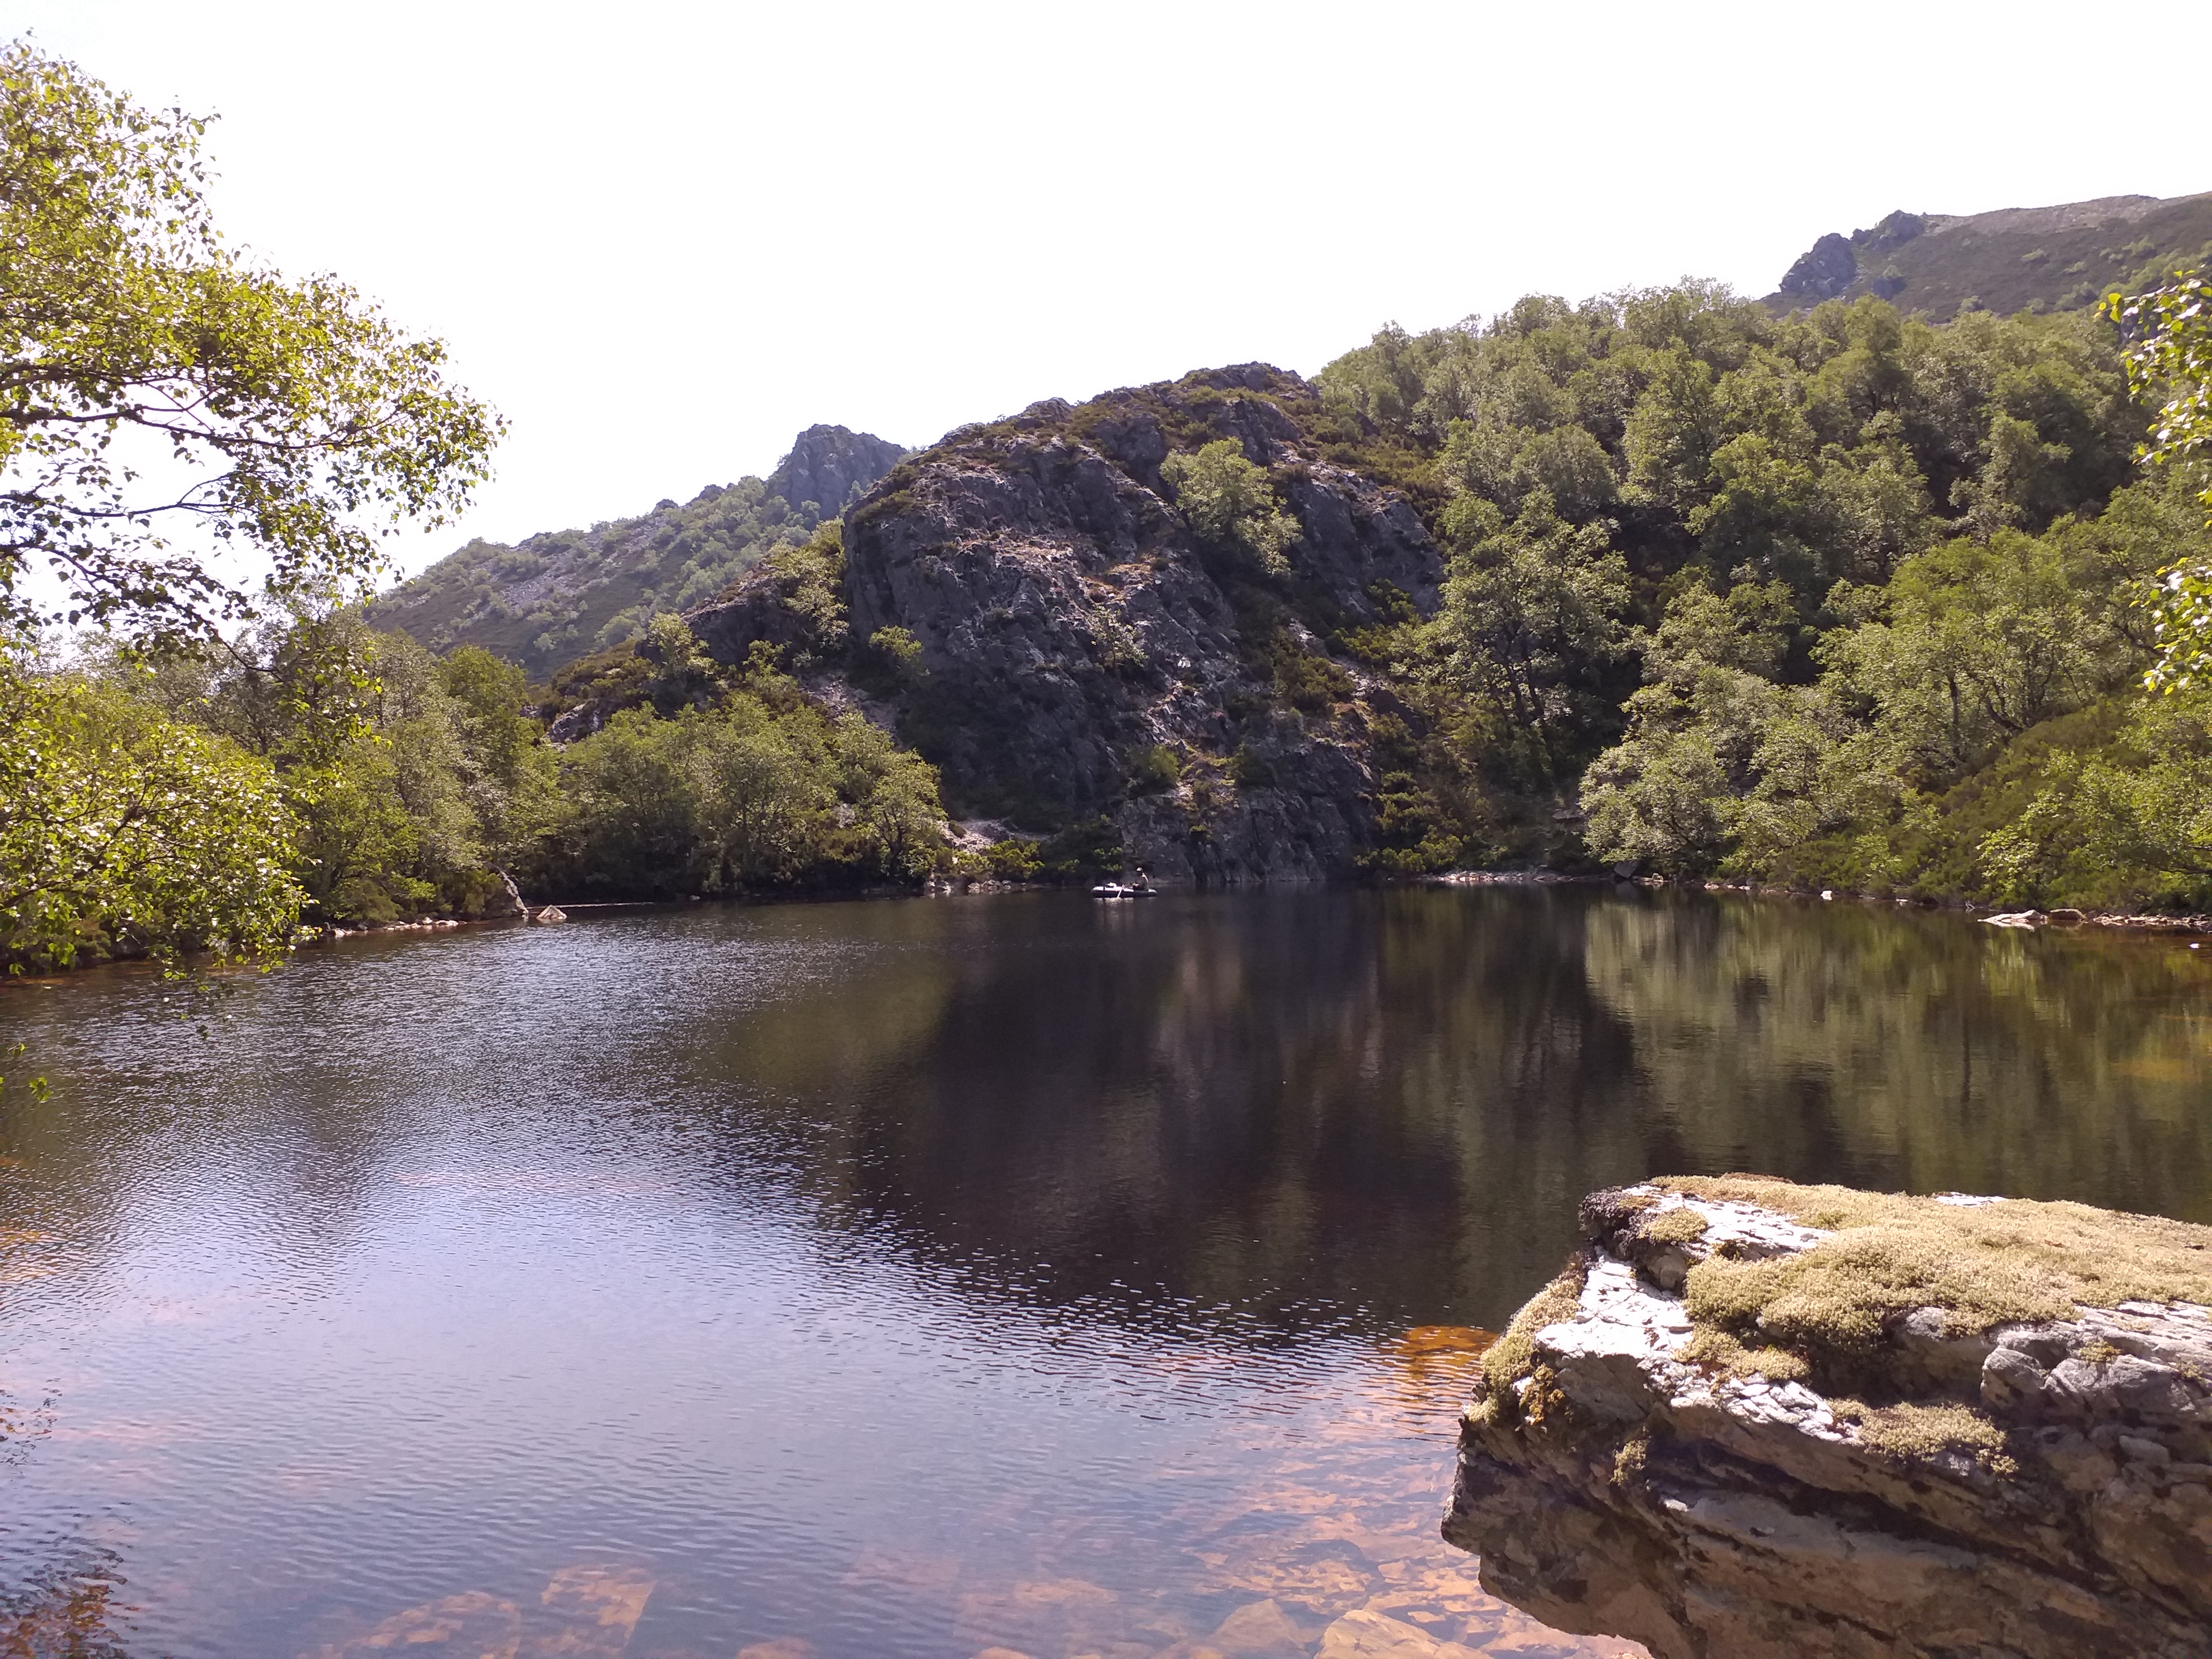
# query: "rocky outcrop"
(566, 594)
(1073, 651)
(828, 465)
(1755, 1419)
(1823, 271)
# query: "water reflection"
(918, 1279)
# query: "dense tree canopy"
(1843, 595)
(2169, 359)
(120, 829)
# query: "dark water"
(911, 1279)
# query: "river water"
(933, 1277)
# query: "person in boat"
(1143, 884)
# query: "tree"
(2170, 358)
(162, 398)
(1721, 767)
(1531, 620)
(120, 829)
(1229, 501)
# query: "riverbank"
(1996, 915)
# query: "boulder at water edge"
(1752, 1417)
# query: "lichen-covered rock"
(1727, 1429)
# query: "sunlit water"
(921, 1277)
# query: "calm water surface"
(915, 1279)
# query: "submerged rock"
(1753, 1418)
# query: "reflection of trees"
(1904, 1050)
(1382, 1101)
(1392, 1101)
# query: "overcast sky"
(663, 237)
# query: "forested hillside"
(2048, 258)
(1841, 595)
(1834, 595)
(564, 594)
(1852, 593)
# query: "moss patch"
(1920, 1431)
(1680, 1226)
(1512, 1357)
(1717, 1351)
(1984, 1265)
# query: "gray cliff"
(1079, 656)
(830, 465)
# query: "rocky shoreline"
(1752, 1417)
(2061, 917)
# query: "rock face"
(1823, 271)
(1994, 1487)
(1068, 627)
(828, 465)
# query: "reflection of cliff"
(1339, 1097)
(1915, 1052)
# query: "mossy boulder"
(1752, 1417)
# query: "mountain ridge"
(561, 595)
(2059, 258)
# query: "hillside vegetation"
(1841, 595)
(2050, 258)
(564, 594)
(1835, 596)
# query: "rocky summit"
(1755, 1419)
(1031, 606)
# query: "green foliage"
(1014, 859)
(291, 420)
(1923, 757)
(898, 650)
(1721, 763)
(123, 832)
(2128, 820)
(1154, 769)
(812, 575)
(760, 791)
(1531, 624)
(2169, 359)
(1231, 503)
(1084, 851)
(1873, 557)
(1303, 679)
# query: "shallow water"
(918, 1278)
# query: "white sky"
(663, 237)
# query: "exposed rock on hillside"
(1755, 1419)
(2058, 258)
(830, 465)
(1056, 638)
(563, 594)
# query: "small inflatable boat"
(1118, 889)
